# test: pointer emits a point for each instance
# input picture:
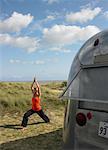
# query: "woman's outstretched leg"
(25, 117)
(43, 116)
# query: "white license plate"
(103, 129)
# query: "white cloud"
(12, 61)
(50, 17)
(60, 35)
(17, 61)
(66, 50)
(15, 23)
(60, 49)
(51, 1)
(39, 62)
(84, 15)
(106, 14)
(40, 23)
(30, 44)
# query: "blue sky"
(41, 37)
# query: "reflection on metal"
(84, 100)
(101, 59)
(87, 93)
(89, 70)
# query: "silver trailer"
(86, 115)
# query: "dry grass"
(39, 135)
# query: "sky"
(41, 37)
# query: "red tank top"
(36, 104)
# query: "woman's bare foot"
(23, 128)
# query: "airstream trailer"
(86, 115)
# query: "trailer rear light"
(89, 115)
(81, 119)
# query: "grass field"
(15, 99)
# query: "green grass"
(15, 99)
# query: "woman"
(36, 107)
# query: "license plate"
(103, 129)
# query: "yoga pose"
(36, 107)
